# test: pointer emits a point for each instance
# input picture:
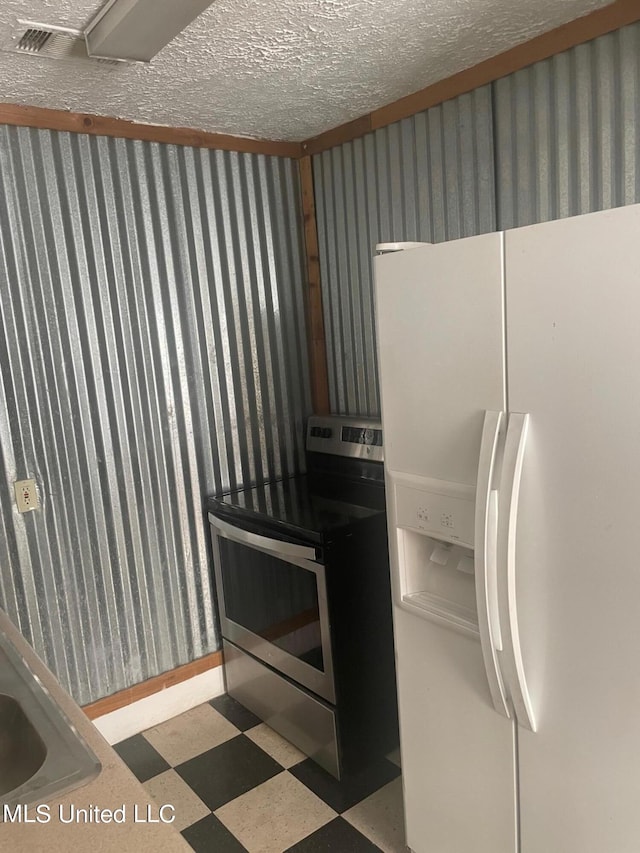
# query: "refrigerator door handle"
(485, 560)
(507, 598)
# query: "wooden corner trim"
(315, 324)
(152, 685)
(605, 20)
(46, 119)
(337, 135)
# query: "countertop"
(115, 788)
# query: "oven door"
(272, 597)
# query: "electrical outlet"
(26, 495)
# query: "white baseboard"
(152, 710)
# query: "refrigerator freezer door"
(440, 339)
(573, 354)
(440, 322)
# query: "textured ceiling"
(276, 69)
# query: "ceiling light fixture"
(135, 30)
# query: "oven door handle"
(254, 540)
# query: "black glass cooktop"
(300, 508)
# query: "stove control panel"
(360, 438)
(321, 432)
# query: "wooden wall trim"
(22, 116)
(337, 135)
(609, 18)
(317, 345)
(152, 685)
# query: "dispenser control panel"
(445, 511)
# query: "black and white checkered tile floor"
(238, 786)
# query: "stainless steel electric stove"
(302, 581)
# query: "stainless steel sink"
(41, 753)
(22, 750)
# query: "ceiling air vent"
(54, 43)
(34, 40)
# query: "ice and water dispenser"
(434, 524)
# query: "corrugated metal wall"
(568, 132)
(152, 294)
(152, 350)
(563, 135)
(429, 177)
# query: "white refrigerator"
(510, 380)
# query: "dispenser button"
(466, 565)
(440, 555)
